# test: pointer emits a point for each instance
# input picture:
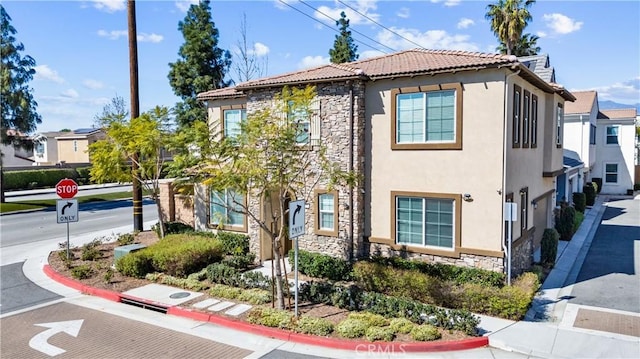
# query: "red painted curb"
(357, 346)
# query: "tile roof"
(619, 113)
(583, 103)
(400, 64)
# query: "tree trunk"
(278, 276)
(160, 219)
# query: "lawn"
(43, 203)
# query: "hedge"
(321, 265)
(21, 180)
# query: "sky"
(81, 47)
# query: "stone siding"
(175, 207)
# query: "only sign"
(67, 188)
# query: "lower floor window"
(611, 172)
(425, 221)
(226, 208)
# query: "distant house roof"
(400, 64)
(571, 162)
(583, 103)
(618, 114)
(540, 65)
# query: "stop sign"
(67, 188)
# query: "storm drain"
(144, 305)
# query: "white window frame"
(302, 120)
(423, 222)
(607, 136)
(617, 172)
(243, 116)
(325, 212)
(559, 124)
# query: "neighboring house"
(540, 65)
(442, 140)
(580, 128)
(572, 180)
(51, 148)
(17, 156)
(615, 143)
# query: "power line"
(379, 24)
(354, 30)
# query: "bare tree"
(248, 65)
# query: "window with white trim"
(612, 135)
(611, 173)
(425, 221)
(559, 123)
(232, 122)
(326, 218)
(225, 208)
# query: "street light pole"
(135, 110)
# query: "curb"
(409, 347)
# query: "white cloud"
(448, 3)
(92, 84)
(113, 34)
(312, 61)
(109, 5)
(370, 53)
(183, 5)
(561, 24)
(280, 4)
(541, 34)
(155, 38)
(70, 93)
(627, 92)
(465, 23)
(260, 49)
(44, 72)
(365, 7)
(403, 12)
(431, 39)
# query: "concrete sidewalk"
(549, 329)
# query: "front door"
(271, 215)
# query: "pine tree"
(18, 106)
(344, 49)
(202, 65)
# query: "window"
(524, 208)
(611, 172)
(427, 117)
(225, 210)
(525, 119)
(559, 123)
(534, 121)
(425, 221)
(39, 148)
(75, 146)
(612, 135)
(232, 121)
(516, 116)
(299, 117)
(592, 135)
(326, 219)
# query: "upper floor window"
(612, 135)
(525, 119)
(232, 122)
(611, 173)
(534, 121)
(39, 148)
(225, 210)
(75, 146)
(524, 208)
(592, 135)
(427, 117)
(559, 124)
(426, 221)
(517, 114)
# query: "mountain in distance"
(609, 105)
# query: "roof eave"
(300, 82)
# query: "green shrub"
(199, 276)
(425, 332)
(90, 251)
(240, 261)
(313, 326)
(316, 292)
(385, 334)
(577, 221)
(125, 239)
(185, 283)
(351, 328)
(223, 274)
(401, 325)
(590, 193)
(173, 228)
(597, 183)
(82, 271)
(224, 291)
(257, 280)
(234, 243)
(182, 254)
(136, 264)
(564, 222)
(43, 178)
(549, 247)
(580, 201)
(108, 274)
(372, 320)
(270, 317)
(255, 296)
(321, 265)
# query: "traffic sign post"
(66, 188)
(296, 229)
(67, 211)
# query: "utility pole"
(135, 110)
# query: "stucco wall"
(621, 153)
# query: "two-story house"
(615, 148)
(580, 127)
(442, 140)
(51, 148)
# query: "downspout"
(351, 134)
(505, 134)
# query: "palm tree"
(526, 46)
(508, 19)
